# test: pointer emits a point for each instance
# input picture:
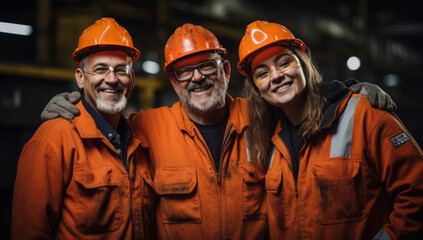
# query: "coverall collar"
(335, 93)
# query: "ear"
(173, 80)
(79, 77)
(227, 68)
(133, 78)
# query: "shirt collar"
(108, 131)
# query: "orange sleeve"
(399, 165)
(38, 191)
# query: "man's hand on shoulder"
(377, 97)
(61, 105)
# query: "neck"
(113, 120)
(296, 112)
(207, 117)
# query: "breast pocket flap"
(175, 180)
(273, 181)
(251, 173)
(93, 178)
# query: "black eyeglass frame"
(192, 68)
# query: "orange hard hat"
(105, 34)
(190, 39)
(260, 35)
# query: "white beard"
(111, 109)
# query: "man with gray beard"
(85, 178)
(206, 186)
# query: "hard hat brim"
(79, 54)
(245, 62)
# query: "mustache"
(206, 82)
(103, 86)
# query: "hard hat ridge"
(260, 35)
(190, 39)
(105, 34)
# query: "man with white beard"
(85, 178)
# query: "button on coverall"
(71, 184)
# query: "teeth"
(110, 91)
(283, 87)
(200, 89)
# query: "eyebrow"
(100, 64)
(274, 60)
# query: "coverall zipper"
(218, 175)
(226, 143)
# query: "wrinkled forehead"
(195, 59)
(110, 58)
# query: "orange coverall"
(361, 174)
(71, 184)
(195, 200)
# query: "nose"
(111, 78)
(197, 76)
(275, 75)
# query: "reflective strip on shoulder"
(342, 136)
(247, 146)
(271, 156)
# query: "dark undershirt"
(294, 143)
(334, 93)
(213, 135)
(119, 137)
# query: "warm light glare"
(151, 67)
(13, 28)
(353, 63)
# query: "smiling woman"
(336, 167)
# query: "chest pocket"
(179, 197)
(98, 200)
(253, 193)
(338, 191)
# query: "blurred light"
(13, 28)
(219, 9)
(335, 28)
(391, 80)
(17, 98)
(353, 63)
(150, 67)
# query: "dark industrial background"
(387, 36)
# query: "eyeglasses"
(119, 71)
(205, 68)
(285, 62)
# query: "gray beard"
(111, 109)
(217, 102)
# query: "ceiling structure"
(386, 36)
